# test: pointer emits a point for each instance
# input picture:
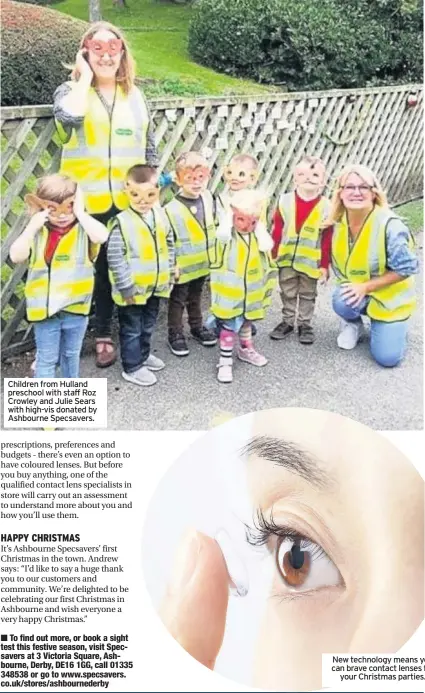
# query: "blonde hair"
(191, 160)
(245, 159)
(55, 188)
(126, 72)
(337, 208)
(249, 201)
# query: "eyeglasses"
(99, 48)
(360, 188)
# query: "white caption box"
(55, 402)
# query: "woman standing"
(373, 259)
(104, 125)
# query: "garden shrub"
(36, 42)
(304, 44)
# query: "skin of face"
(357, 200)
(309, 180)
(240, 175)
(61, 214)
(243, 221)
(193, 180)
(142, 196)
(105, 66)
(368, 518)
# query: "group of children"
(169, 252)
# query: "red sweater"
(53, 239)
(303, 209)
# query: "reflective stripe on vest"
(67, 284)
(242, 280)
(194, 243)
(367, 259)
(302, 250)
(146, 254)
(99, 152)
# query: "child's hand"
(82, 66)
(324, 275)
(130, 300)
(176, 273)
(79, 209)
(38, 220)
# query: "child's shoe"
(143, 377)
(177, 343)
(305, 334)
(249, 355)
(281, 331)
(204, 336)
(154, 363)
(224, 370)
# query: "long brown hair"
(126, 71)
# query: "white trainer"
(154, 363)
(143, 377)
(224, 370)
(351, 333)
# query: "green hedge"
(305, 44)
(36, 42)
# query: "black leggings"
(102, 296)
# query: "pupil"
(297, 557)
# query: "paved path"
(322, 376)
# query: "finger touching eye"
(304, 566)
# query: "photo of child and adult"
(220, 207)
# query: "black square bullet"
(4, 638)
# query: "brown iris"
(293, 565)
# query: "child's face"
(309, 178)
(142, 196)
(240, 175)
(244, 222)
(61, 214)
(193, 180)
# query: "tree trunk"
(95, 14)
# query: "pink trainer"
(251, 356)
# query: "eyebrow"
(292, 457)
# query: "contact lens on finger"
(239, 581)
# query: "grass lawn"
(413, 215)
(157, 33)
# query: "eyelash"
(264, 530)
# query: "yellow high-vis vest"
(67, 283)
(242, 280)
(194, 243)
(146, 253)
(301, 251)
(367, 259)
(99, 152)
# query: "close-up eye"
(304, 565)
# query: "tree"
(95, 14)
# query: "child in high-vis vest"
(242, 281)
(60, 243)
(192, 216)
(141, 264)
(302, 248)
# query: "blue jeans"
(387, 339)
(136, 327)
(59, 340)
